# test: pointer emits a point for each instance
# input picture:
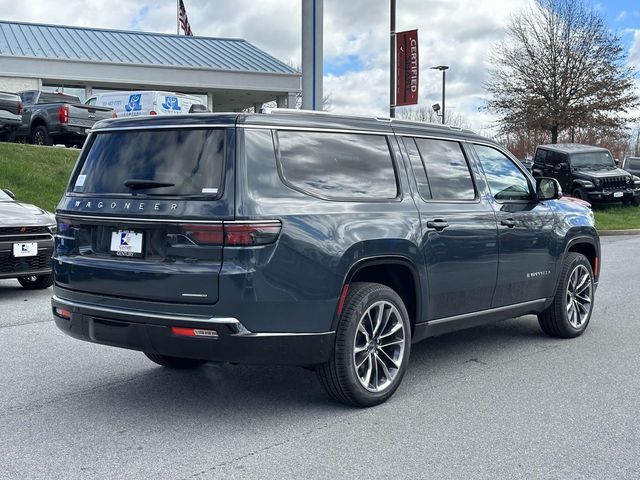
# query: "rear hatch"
(143, 214)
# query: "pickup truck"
(50, 118)
(10, 115)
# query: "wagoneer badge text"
(124, 205)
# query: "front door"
(459, 233)
(527, 263)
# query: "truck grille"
(22, 230)
(614, 183)
(11, 264)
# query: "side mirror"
(561, 166)
(548, 189)
(10, 193)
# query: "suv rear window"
(338, 165)
(634, 163)
(189, 161)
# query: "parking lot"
(501, 401)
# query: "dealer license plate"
(126, 243)
(25, 249)
(618, 194)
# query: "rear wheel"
(569, 314)
(373, 341)
(36, 282)
(41, 136)
(177, 363)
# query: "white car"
(133, 104)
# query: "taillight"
(19, 107)
(250, 234)
(204, 234)
(153, 112)
(62, 313)
(63, 114)
(236, 234)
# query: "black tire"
(41, 136)
(339, 376)
(579, 194)
(555, 320)
(177, 363)
(36, 282)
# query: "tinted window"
(46, 97)
(190, 161)
(27, 97)
(541, 156)
(91, 101)
(418, 168)
(506, 181)
(447, 170)
(338, 165)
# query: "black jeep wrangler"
(319, 240)
(586, 172)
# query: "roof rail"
(294, 111)
(270, 110)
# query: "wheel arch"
(587, 246)
(397, 272)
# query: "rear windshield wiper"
(138, 184)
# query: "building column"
(210, 101)
(257, 107)
(88, 91)
(281, 101)
(291, 100)
(312, 12)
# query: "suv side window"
(541, 157)
(337, 165)
(447, 169)
(506, 181)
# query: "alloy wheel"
(378, 346)
(579, 296)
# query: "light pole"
(392, 60)
(443, 69)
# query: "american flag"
(184, 21)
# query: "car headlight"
(597, 182)
(629, 180)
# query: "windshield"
(596, 160)
(153, 162)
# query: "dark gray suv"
(325, 241)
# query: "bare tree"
(426, 114)
(560, 67)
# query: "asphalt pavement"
(495, 402)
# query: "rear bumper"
(151, 332)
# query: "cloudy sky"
(458, 33)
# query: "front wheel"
(176, 363)
(371, 353)
(36, 282)
(569, 314)
(579, 194)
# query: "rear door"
(459, 234)
(142, 217)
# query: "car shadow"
(237, 392)
(11, 290)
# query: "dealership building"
(230, 74)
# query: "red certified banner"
(407, 68)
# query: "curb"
(611, 233)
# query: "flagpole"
(177, 17)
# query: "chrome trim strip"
(134, 313)
(485, 312)
(276, 334)
(160, 220)
(41, 235)
(134, 219)
(162, 127)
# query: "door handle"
(438, 224)
(508, 222)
